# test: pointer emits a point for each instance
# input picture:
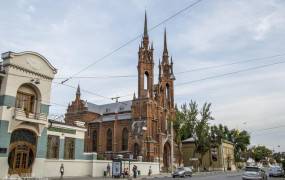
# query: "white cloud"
(73, 34)
(31, 9)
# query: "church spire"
(165, 51)
(165, 60)
(78, 93)
(145, 33)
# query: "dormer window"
(107, 110)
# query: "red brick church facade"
(140, 127)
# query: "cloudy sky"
(72, 34)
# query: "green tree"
(178, 127)
(217, 135)
(240, 140)
(184, 124)
(277, 157)
(261, 153)
(189, 114)
(187, 124)
(202, 132)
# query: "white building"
(24, 104)
(30, 144)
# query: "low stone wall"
(72, 168)
(93, 168)
(99, 166)
(143, 167)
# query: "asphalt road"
(216, 177)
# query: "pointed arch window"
(125, 140)
(94, 141)
(136, 150)
(167, 95)
(109, 140)
(146, 79)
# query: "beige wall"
(224, 151)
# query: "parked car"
(182, 172)
(276, 171)
(254, 172)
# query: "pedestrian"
(135, 171)
(108, 170)
(149, 171)
(61, 170)
(127, 171)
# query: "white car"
(182, 172)
(276, 171)
(254, 173)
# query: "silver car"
(276, 171)
(182, 172)
(254, 172)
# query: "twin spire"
(146, 38)
(164, 66)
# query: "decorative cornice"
(10, 54)
(27, 70)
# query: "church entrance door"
(166, 156)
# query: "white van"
(275, 171)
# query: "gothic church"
(140, 128)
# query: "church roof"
(110, 108)
(112, 117)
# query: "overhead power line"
(132, 40)
(262, 134)
(181, 72)
(232, 63)
(84, 90)
(99, 77)
(230, 73)
(269, 128)
(180, 84)
(70, 86)
(73, 87)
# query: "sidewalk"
(161, 175)
(95, 178)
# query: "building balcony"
(22, 115)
